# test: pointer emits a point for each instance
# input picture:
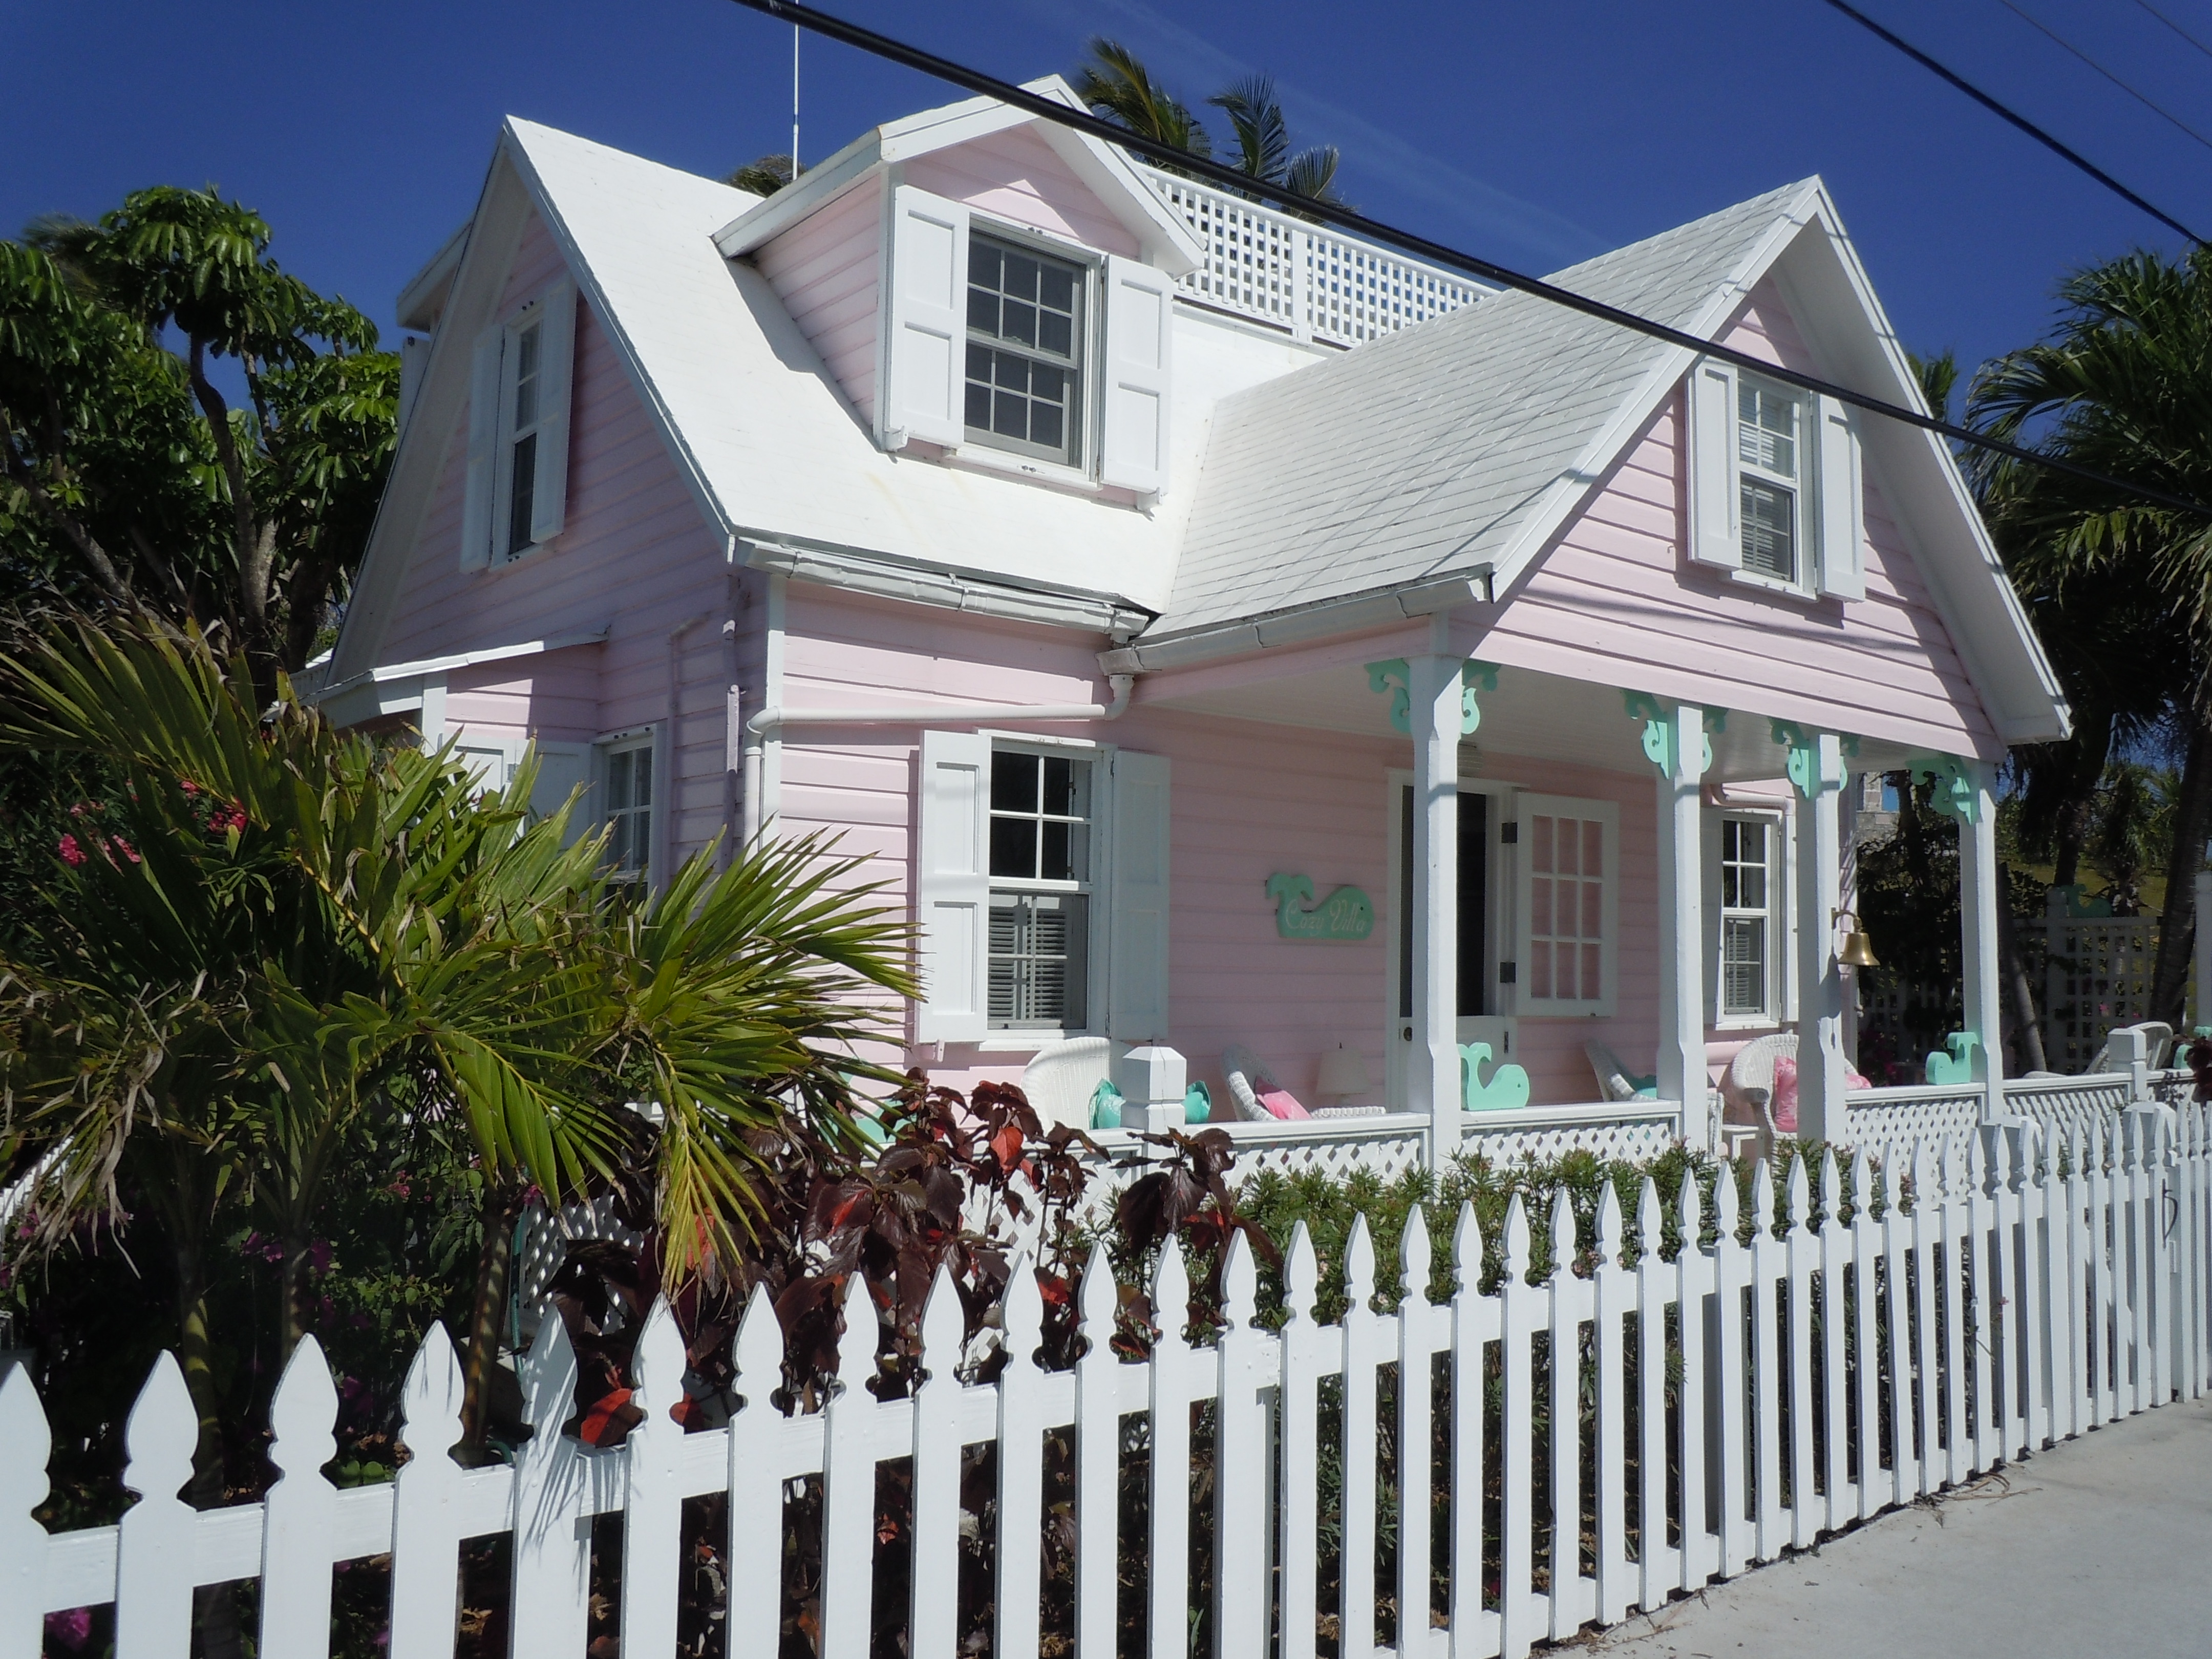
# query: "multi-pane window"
(523, 410)
(1747, 922)
(1039, 945)
(1769, 464)
(630, 809)
(1024, 350)
(1566, 909)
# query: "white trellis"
(1830, 1364)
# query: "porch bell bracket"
(1659, 733)
(1392, 678)
(1803, 765)
(1955, 794)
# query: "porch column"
(1681, 761)
(1433, 1069)
(1816, 770)
(1978, 898)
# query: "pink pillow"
(1856, 1080)
(1279, 1104)
(1784, 1098)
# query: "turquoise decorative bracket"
(1803, 765)
(1954, 1063)
(1346, 913)
(1391, 677)
(1504, 1090)
(1659, 731)
(2080, 907)
(1954, 793)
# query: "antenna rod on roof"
(795, 101)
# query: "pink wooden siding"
(1017, 176)
(1616, 601)
(1249, 800)
(825, 270)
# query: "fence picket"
(1926, 1230)
(1801, 1253)
(848, 1484)
(1763, 1383)
(1612, 1288)
(1098, 1458)
(1840, 1501)
(1166, 1627)
(154, 1540)
(934, 1576)
(1523, 1616)
(26, 1443)
(1729, 1394)
(1896, 1250)
(1240, 1445)
(1303, 1344)
(300, 1514)
(1416, 1471)
(755, 1484)
(653, 1499)
(1362, 1352)
(1474, 1327)
(551, 1609)
(1695, 1295)
(1986, 1334)
(1658, 1564)
(425, 1521)
(1021, 1467)
(1573, 1597)
(1957, 1461)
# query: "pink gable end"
(1017, 176)
(1617, 584)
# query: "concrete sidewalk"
(2099, 1545)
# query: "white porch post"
(1682, 1075)
(1433, 1069)
(1817, 770)
(1978, 921)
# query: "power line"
(2056, 38)
(1307, 207)
(2005, 114)
(2175, 27)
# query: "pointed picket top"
(2007, 1159)
(758, 1354)
(856, 1342)
(303, 1414)
(1359, 1265)
(1021, 1314)
(1690, 1206)
(1097, 1299)
(1301, 1275)
(1467, 1250)
(1172, 1291)
(1414, 1255)
(1563, 1233)
(2073, 1163)
(1953, 1175)
(1832, 1189)
(1762, 1200)
(1612, 1240)
(26, 1443)
(1799, 1200)
(160, 1434)
(944, 1326)
(1923, 1176)
(1240, 1285)
(430, 1398)
(1978, 1166)
(660, 1363)
(1516, 1241)
(548, 1381)
(1885, 1178)
(1650, 1221)
(1726, 1203)
(1862, 1184)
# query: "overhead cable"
(2005, 114)
(2175, 27)
(1343, 218)
(2060, 40)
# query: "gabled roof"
(1462, 446)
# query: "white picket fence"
(1734, 1402)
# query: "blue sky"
(1536, 135)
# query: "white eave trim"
(812, 190)
(423, 299)
(1348, 615)
(397, 687)
(943, 586)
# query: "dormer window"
(1767, 445)
(1025, 329)
(1777, 485)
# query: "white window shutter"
(484, 451)
(925, 338)
(952, 897)
(1137, 900)
(1714, 536)
(561, 768)
(1843, 503)
(1139, 353)
(556, 358)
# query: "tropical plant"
(765, 175)
(1114, 82)
(1263, 141)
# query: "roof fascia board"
(424, 296)
(398, 686)
(1354, 613)
(772, 215)
(886, 577)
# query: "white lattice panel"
(1874, 1118)
(544, 1246)
(2068, 1106)
(2097, 976)
(1634, 1139)
(1354, 292)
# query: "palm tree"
(1263, 141)
(2124, 386)
(1119, 88)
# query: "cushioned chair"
(1748, 1087)
(1061, 1077)
(1249, 1077)
(1614, 1080)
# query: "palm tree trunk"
(293, 1290)
(2177, 927)
(494, 1257)
(2027, 1026)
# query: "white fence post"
(26, 1443)
(1362, 1352)
(1097, 1458)
(551, 1609)
(1166, 1628)
(299, 1515)
(154, 1542)
(653, 1500)
(1240, 1465)
(848, 1484)
(1021, 1466)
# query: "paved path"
(2101, 1546)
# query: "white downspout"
(770, 722)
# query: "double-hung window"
(1769, 478)
(1025, 337)
(627, 780)
(1750, 930)
(1777, 491)
(518, 444)
(1041, 890)
(518, 410)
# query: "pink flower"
(72, 855)
(71, 1627)
(124, 847)
(188, 786)
(77, 810)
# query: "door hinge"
(1508, 972)
(1508, 833)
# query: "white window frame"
(512, 432)
(1082, 474)
(647, 740)
(1091, 886)
(1828, 530)
(1526, 1004)
(1804, 540)
(1774, 914)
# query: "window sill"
(977, 456)
(1742, 1023)
(1025, 1042)
(1775, 585)
(510, 561)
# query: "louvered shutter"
(1139, 350)
(557, 357)
(1137, 900)
(562, 766)
(484, 451)
(1842, 496)
(925, 337)
(1567, 959)
(1715, 538)
(953, 898)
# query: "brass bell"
(1858, 950)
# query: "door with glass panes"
(1480, 883)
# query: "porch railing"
(1305, 278)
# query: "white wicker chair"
(1061, 1077)
(1747, 1087)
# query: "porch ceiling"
(1540, 715)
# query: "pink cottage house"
(1221, 633)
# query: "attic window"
(1768, 420)
(1025, 333)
